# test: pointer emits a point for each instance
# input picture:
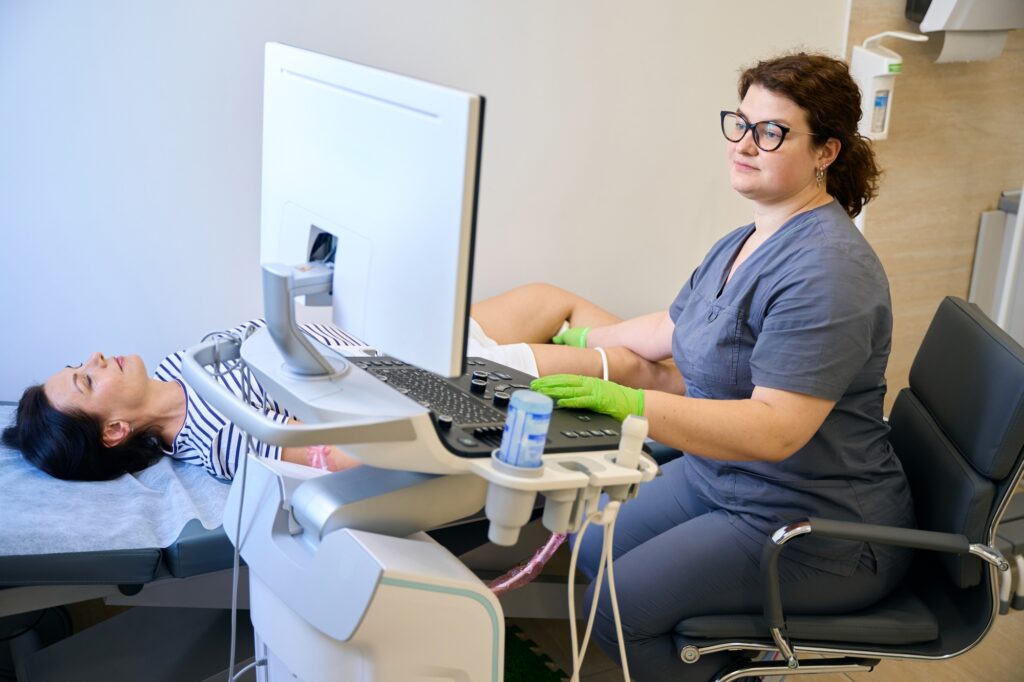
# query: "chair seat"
(1013, 533)
(1015, 510)
(899, 619)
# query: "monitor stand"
(281, 284)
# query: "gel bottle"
(526, 429)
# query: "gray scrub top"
(809, 312)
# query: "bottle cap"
(532, 401)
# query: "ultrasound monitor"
(375, 173)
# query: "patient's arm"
(336, 459)
(624, 367)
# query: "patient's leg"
(535, 312)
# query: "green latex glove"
(589, 393)
(573, 336)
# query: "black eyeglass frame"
(752, 128)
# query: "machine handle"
(357, 429)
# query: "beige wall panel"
(955, 142)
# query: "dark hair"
(70, 446)
(822, 87)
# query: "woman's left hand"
(589, 393)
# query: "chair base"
(811, 667)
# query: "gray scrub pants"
(676, 557)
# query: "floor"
(1000, 656)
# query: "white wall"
(130, 149)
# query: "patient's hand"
(337, 460)
(327, 457)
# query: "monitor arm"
(281, 284)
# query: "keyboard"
(469, 411)
(432, 391)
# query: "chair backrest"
(959, 428)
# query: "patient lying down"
(108, 416)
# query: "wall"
(955, 142)
(130, 149)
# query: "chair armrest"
(864, 532)
(891, 535)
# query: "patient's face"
(102, 387)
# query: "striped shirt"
(207, 438)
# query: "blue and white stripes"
(207, 438)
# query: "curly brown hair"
(822, 87)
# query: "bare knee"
(543, 291)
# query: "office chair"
(959, 432)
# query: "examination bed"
(63, 542)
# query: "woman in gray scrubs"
(782, 335)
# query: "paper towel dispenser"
(974, 29)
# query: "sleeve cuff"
(806, 385)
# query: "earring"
(819, 175)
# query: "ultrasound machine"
(369, 206)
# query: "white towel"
(44, 515)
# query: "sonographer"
(782, 335)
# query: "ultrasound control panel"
(469, 411)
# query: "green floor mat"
(524, 662)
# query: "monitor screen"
(378, 173)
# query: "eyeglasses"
(768, 135)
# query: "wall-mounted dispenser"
(971, 30)
(875, 68)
